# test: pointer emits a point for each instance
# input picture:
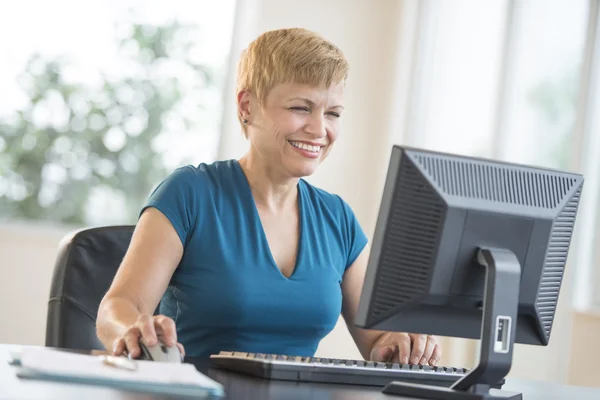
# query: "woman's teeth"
(307, 147)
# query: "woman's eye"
(337, 115)
(299, 109)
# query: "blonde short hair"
(293, 55)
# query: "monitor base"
(498, 327)
(440, 393)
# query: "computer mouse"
(160, 352)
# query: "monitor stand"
(498, 328)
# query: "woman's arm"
(126, 310)
(352, 285)
(380, 345)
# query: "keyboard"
(332, 370)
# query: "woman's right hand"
(149, 329)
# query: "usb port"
(502, 342)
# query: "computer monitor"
(472, 248)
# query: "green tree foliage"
(73, 139)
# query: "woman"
(248, 255)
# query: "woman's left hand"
(407, 348)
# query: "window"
(542, 81)
(101, 100)
(457, 76)
(587, 257)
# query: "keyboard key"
(370, 364)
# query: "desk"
(242, 387)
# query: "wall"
(27, 254)
(583, 353)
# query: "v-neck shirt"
(227, 292)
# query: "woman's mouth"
(305, 149)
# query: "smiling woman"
(297, 126)
(245, 255)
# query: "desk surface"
(242, 387)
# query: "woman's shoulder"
(190, 183)
(322, 198)
(203, 172)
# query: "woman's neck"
(271, 190)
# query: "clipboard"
(138, 375)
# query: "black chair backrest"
(85, 267)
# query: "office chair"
(87, 261)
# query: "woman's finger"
(146, 328)
(429, 347)
(132, 343)
(418, 348)
(436, 356)
(118, 347)
(166, 327)
(403, 343)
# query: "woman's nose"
(316, 125)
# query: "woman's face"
(297, 127)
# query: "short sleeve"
(175, 197)
(355, 237)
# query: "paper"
(150, 376)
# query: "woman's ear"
(244, 100)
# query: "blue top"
(227, 292)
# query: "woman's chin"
(305, 168)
